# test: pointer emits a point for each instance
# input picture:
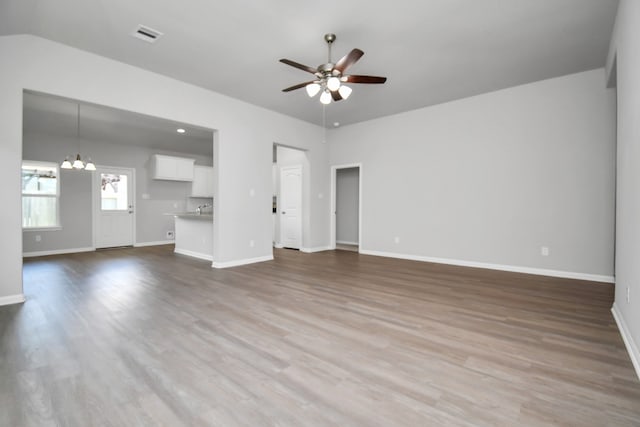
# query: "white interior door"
(290, 206)
(113, 207)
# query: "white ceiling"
(432, 51)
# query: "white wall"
(625, 53)
(347, 201)
(490, 179)
(242, 148)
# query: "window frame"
(48, 165)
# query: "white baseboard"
(278, 245)
(239, 262)
(344, 242)
(632, 347)
(12, 299)
(157, 243)
(316, 249)
(193, 254)
(58, 252)
(488, 266)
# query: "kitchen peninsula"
(194, 234)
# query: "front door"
(113, 206)
(291, 202)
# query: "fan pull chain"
(324, 124)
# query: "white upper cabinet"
(202, 185)
(172, 168)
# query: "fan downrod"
(329, 38)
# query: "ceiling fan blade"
(336, 95)
(298, 86)
(299, 66)
(364, 79)
(348, 60)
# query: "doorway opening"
(346, 207)
(110, 136)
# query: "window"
(40, 195)
(113, 194)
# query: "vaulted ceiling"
(431, 51)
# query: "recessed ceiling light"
(336, 124)
(180, 130)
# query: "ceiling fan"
(330, 76)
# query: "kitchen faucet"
(199, 208)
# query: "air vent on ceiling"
(147, 34)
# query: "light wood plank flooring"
(144, 337)
(346, 247)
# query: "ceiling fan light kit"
(330, 77)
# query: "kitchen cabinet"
(202, 185)
(172, 168)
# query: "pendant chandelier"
(78, 164)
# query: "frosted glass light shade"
(312, 89)
(345, 91)
(325, 98)
(77, 164)
(333, 83)
(66, 164)
(89, 166)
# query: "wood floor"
(144, 337)
(346, 247)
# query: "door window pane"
(113, 192)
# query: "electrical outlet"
(544, 251)
(252, 243)
(170, 234)
(38, 238)
(396, 240)
(628, 295)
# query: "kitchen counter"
(193, 215)
(194, 234)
